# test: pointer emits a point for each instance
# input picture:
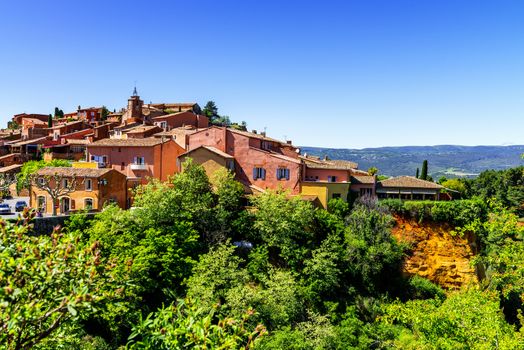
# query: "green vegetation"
(424, 171)
(23, 179)
(190, 266)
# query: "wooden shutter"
(287, 174)
(254, 173)
(263, 174)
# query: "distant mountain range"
(445, 160)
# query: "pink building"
(260, 162)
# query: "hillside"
(445, 160)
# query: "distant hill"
(445, 160)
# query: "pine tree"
(424, 172)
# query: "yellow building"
(210, 158)
(325, 191)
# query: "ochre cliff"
(436, 254)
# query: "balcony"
(138, 166)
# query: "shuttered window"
(282, 174)
(259, 173)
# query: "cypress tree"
(50, 121)
(424, 172)
(417, 173)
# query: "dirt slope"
(438, 256)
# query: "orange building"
(137, 159)
(94, 188)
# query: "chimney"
(254, 131)
(263, 133)
(326, 158)
(289, 142)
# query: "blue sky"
(346, 74)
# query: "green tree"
(47, 283)
(211, 111)
(104, 112)
(50, 121)
(185, 325)
(23, 178)
(373, 171)
(424, 172)
(284, 224)
(417, 174)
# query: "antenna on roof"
(135, 93)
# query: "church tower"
(134, 109)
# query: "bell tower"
(134, 108)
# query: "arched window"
(88, 203)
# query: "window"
(266, 145)
(65, 183)
(89, 184)
(231, 165)
(163, 125)
(282, 174)
(40, 204)
(332, 179)
(139, 160)
(92, 114)
(259, 173)
(88, 203)
(41, 180)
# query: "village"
(111, 153)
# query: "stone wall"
(45, 225)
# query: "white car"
(5, 209)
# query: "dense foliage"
(193, 266)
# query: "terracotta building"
(259, 162)
(138, 158)
(94, 188)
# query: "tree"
(47, 283)
(373, 171)
(424, 172)
(417, 174)
(104, 112)
(187, 325)
(59, 113)
(210, 110)
(50, 121)
(6, 180)
(55, 185)
(23, 178)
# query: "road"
(12, 203)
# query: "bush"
(457, 213)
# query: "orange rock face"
(436, 254)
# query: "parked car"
(20, 205)
(5, 208)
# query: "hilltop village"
(113, 152)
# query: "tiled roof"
(77, 172)
(67, 124)
(35, 121)
(360, 179)
(30, 142)
(329, 164)
(142, 128)
(145, 142)
(183, 130)
(9, 155)
(10, 167)
(211, 149)
(256, 136)
(408, 182)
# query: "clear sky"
(346, 74)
